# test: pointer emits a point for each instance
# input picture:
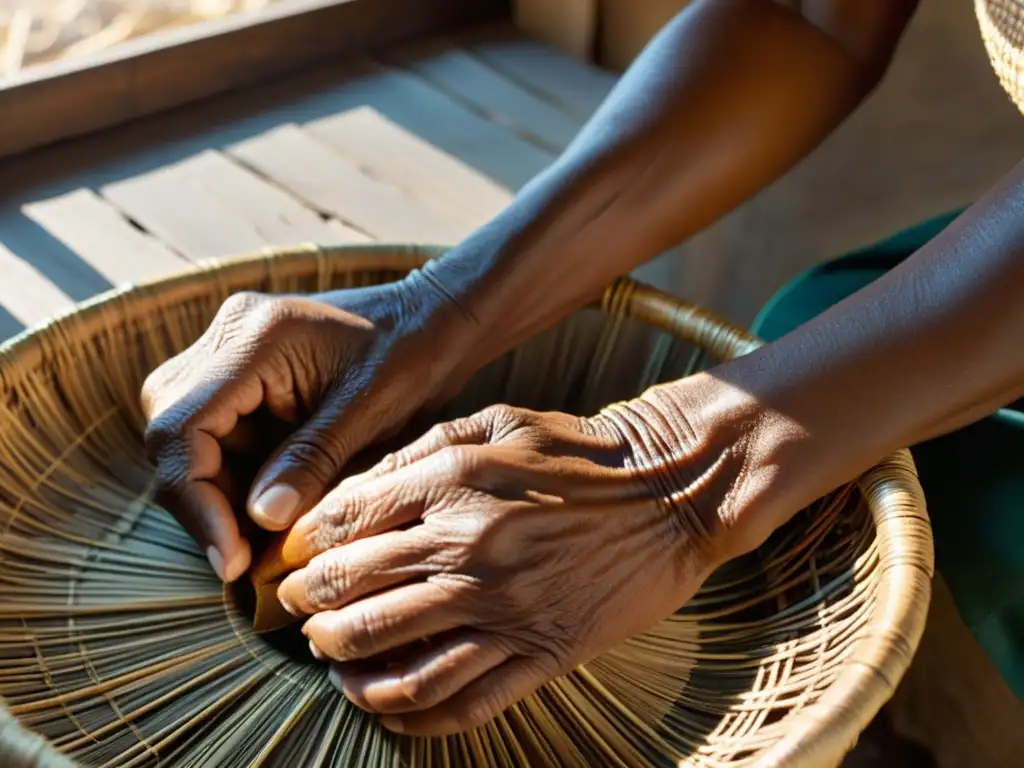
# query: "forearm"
(729, 96)
(930, 347)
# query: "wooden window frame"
(61, 100)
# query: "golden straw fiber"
(119, 647)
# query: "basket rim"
(821, 733)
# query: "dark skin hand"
(728, 97)
(539, 538)
(329, 369)
(531, 543)
(515, 545)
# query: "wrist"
(719, 461)
(553, 250)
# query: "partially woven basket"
(119, 647)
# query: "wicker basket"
(1002, 28)
(781, 659)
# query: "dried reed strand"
(119, 646)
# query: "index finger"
(345, 514)
(182, 442)
(191, 494)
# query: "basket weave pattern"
(1002, 28)
(119, 647)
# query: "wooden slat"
(470, 80)
(389, 152)
(25, 293)
(563, 80)
(183, 215)
(438, 119)
(334, 184)
(342, 234)
(168, 69)
(207, 206)
(9, 325)
(278, 217)
(100, 235)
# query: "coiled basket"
(119, 647)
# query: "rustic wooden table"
(420, 144)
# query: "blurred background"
(36, 31)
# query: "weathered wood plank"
(389, 152)
(209, 206)
(483, 88)
(336, 185)
(25, 293)
(342, 234)
(436, 118)
(184, 215)
(100, 235)
(278, 217)
(9, 325)
(167, 69)
(566, 82)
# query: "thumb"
(304, 467)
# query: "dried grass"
(120, 646)
(36, 31)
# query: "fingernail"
(334, 676)
(393, 724)
(216, 561)
(276, 506)
(236, 564)
(318, 654)
(239, 561)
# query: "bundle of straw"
(119, 647)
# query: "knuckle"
(164, 433)
(497, 412)
(320, 456)
(503, 420)
(268, 316)
(448, 432)
(462, 464)
(390, 462)
(336, 522)
(170, 479)
(328, 581)
(150, 391)
(161, 383)
(240, 304)
(252, 315)
(361, 638)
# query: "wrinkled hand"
(499, 551)
(329, 373)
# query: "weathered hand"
(334, 372)
(499, 551)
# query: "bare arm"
(930, 347)
(728, 97)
